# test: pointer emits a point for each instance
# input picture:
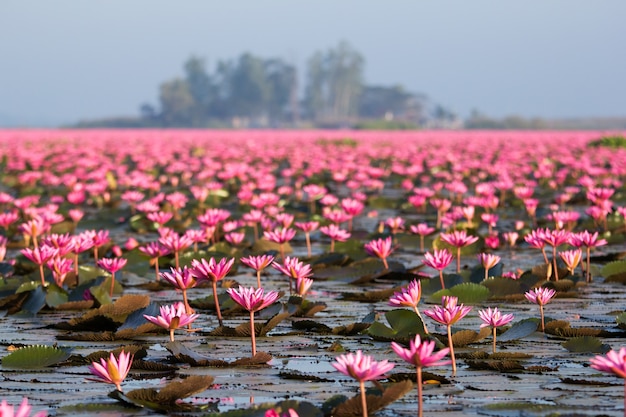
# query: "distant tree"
(335, 81)
(201, 89)
(177, 103)
(282, 80)
(379, 102)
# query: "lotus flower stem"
(363, 398)
(543, 326)
(307, 236)
(555, 268)
(43, 280)
(588, 270)
(493, 346)
(217, 303)
(418, 371)
(252, 333)
(451, 346)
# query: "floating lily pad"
(499, 287)
(586, 344)
(168, 397)
(613, 268)
(468, 293)
(38, 356)
(519, 330)
(405, 324)
(377, 400)
(621, 320)
(186, 355)
(502, 365)
(371, 296)
(465, 337)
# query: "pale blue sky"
(65, 60)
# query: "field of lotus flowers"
(312, 273)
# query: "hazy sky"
(66, 60)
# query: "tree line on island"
(257, 92)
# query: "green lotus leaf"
(351, 247)
(55, 296)
(500, 287)
(405, 324)
(467, 292)
(613, 268)
(586, 344)
(519, 330)
(302, 408)
(36, 356)
(621, 320)
(27, 286)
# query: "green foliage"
(519, 330)
(467, 292)
(38, 356)
(610, 141)
(405, 324)
(613, 268)
(586, 344)
(382, 124)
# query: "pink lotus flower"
(294, 269)
(172, 317)
(307, 228)
(274, 413)
(32, 229)
(409, 297)
(40, 255)
(540, 296)
(303, 285)
(60, 267)
(458, 239)
(235, 238)
(448, 314)
(488, 261)
(154, 250)
(571, 258)
(362, 368)
(182, 279)
(589, 241)
(99, 239)
(438, 260)
(420, 354)
(160, 217)
(114, 370)
(112, 265)
(381, 248)
(510, 238)
(213, 271)
(281, 236)
(395, 224)
(23, 410)
(335, 233)
(494, 319)
(258, 263)
(252, 300)
(8, 218)
(615, 363)
(421, 229)
(176, 244)
(555, 238)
